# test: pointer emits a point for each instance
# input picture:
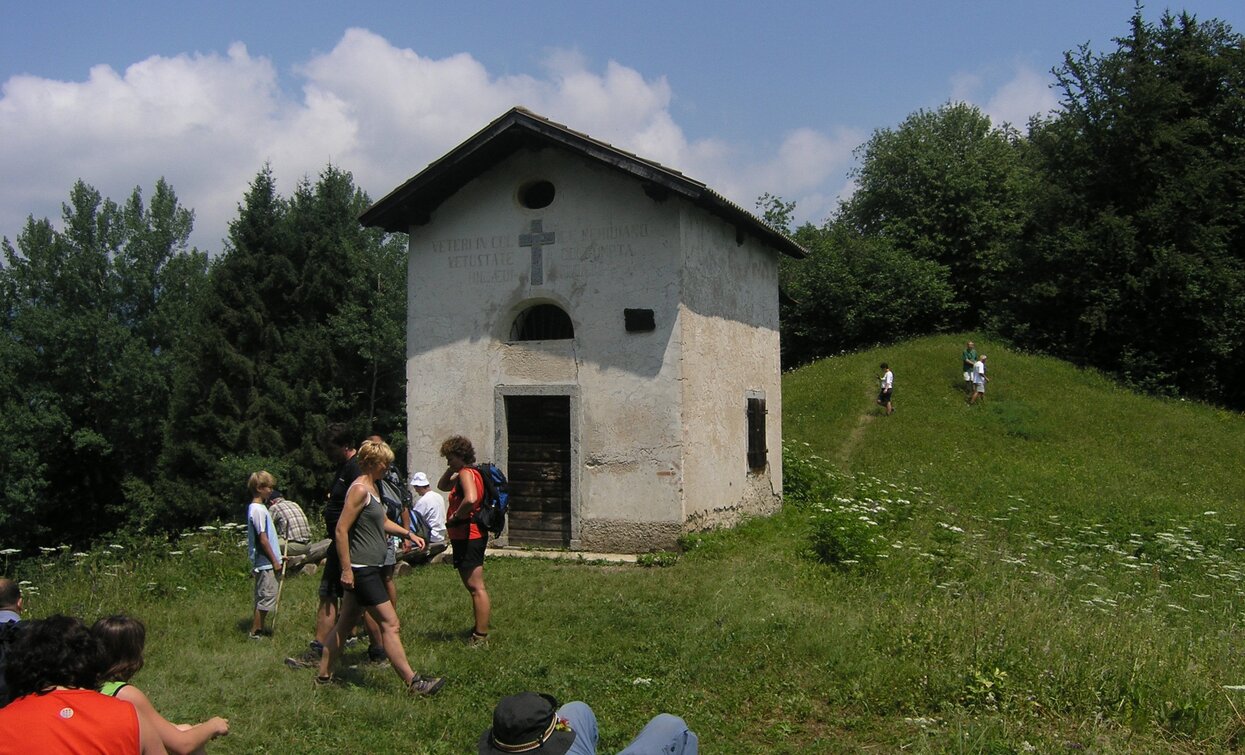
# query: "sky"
(747, 97)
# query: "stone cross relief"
(536, 239)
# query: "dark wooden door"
(538, 432)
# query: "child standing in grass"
(887, 380)
(979, 380)
(261, 542)
(121, 639)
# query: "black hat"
(526, 722)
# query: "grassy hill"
(1057, 570)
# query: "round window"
(536, 194)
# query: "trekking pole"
(276, 609)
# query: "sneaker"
(425, 686)
(477, 641)
(324, 681)
(309, 659)
(376, 656)
(257, 635)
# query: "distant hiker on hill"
(979, 380)
(887, 382)
(261, 543)
(121, 640)
(969, 358)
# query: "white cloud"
(1025, 94)
(208, 122)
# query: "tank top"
(69, 721)
(367, 535)
(111, 688)
(470, 531)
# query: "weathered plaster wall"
(614, 248)
(729, 330)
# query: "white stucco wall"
(729, 325)
(614, 248)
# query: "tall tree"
(87, 360)
(1135, 258)
(948, 187)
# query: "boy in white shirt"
(887, 380)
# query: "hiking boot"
(425, 686)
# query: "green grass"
(1051, 581)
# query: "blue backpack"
(495, 503)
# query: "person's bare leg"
(387, 619)
(481, 607)
(346, 620)
(326, 619)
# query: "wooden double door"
(538, 437)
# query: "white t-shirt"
(432, 507)
(888, 380)
(979, 372)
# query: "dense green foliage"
(1060, 571)
(1110, 234)
(142, 384)
(94, 316)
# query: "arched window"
(542, 322)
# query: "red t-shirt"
(464, 531)
(73, 721)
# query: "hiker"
(337, 446)
(979, 380)
(121, 641)
(969, 357)
(261, 544)
(294, 532)
(466, 488)
(53, 673)
(360, 540)
(533, 722)
(10, 617)
(887, 381)
(431, 506)
(389, 489)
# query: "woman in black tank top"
(360, 530)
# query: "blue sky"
(748, 97)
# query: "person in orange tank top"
(466, 488)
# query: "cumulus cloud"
(208, 122)
(1025, 94)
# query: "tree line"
(1109, 233)
(143, 381)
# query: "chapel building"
(603, 328)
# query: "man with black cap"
(533, 722)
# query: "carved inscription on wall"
(588, 249)
(479, 259)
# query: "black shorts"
(331, 577)
(884, 397)
(468, 554)
(369, 588)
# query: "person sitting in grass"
(533, 722)
(53, 673)
(261, 542)
(294, 532)
(121, 640)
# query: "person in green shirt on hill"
(969, 359)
